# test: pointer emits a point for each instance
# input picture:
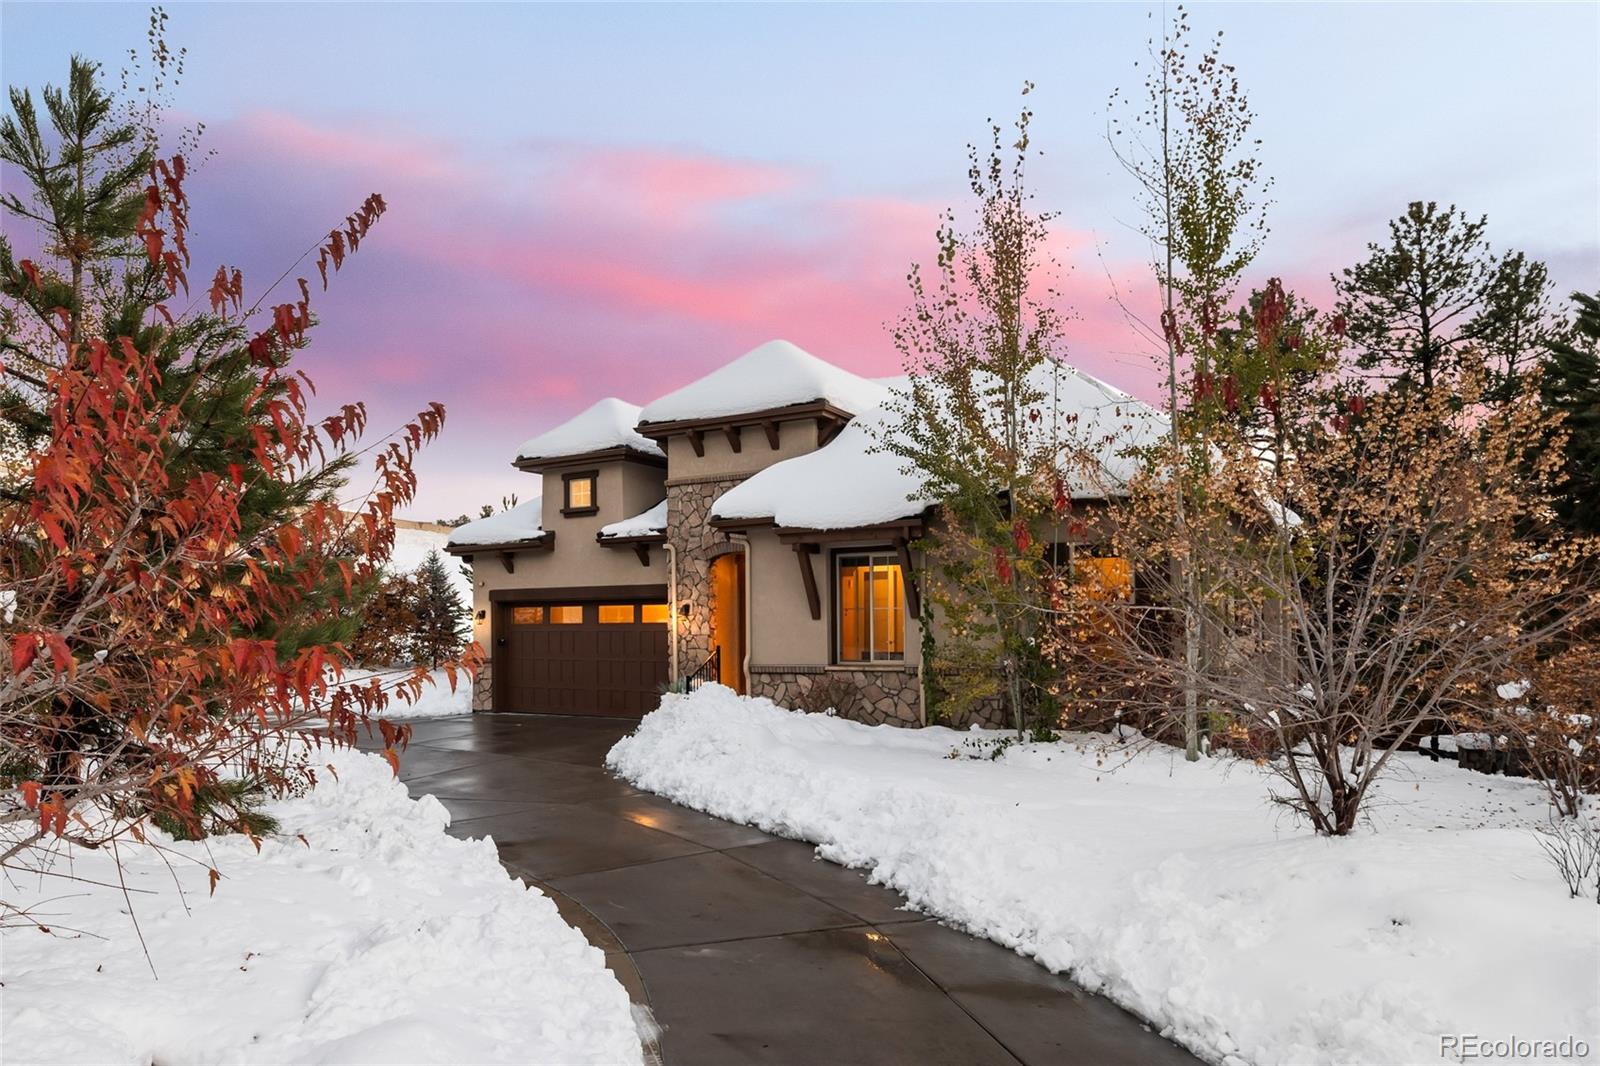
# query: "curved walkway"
(745, 947)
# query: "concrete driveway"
(746, 948)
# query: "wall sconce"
(482, 615)
(683, 608)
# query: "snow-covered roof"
(608, 424)
(847, 484)
(777, 374)
(647, 524)
(1110, 424)
(520, 523)
(841, 486)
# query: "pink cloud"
(516, 291)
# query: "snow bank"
(776, 374)
(640, 525)
(1174, 888)
(380, 939)
(437, 700)
(845, 484)
(522, 522)
(607, 424)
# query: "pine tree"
(442, 619)
(1415, 306)
(86, 198)
(1571, 384)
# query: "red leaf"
(24, 648)
(60, 654)
(215, 876)
(393, 759)
(31, 271)
(30, 795)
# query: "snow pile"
(379, 939)
(640, 525)
(436, 700)
(522, 522)
(1174, 888)
(607, 424)
(847, 483)
(777, 374)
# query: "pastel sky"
(611, 200)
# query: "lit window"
(580, 492)
(870, 602)
(612, 614)
(527, 616)
(566, 616)
(655, 613)
(1105, 577)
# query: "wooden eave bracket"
(643, 551)
(697, 441)
(913, 594)
(803, 553)
(735, 442)
(828, 427)
(771, 429)
(509, 560)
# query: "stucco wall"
(783, 633)
(625, 489)
(794, 438)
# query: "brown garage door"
(573, 656)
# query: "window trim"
(836, 634)
(593, 477)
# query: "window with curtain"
(870, 608)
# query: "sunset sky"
(611, 200)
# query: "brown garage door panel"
(611, 670)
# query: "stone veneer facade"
(483, 687)
(696, 542)
(872, 696)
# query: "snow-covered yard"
(377, 939)
(1176, 889)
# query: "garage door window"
(527, 616)
(566, 616)
(614, 614)
(654, 613)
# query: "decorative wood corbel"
(808, 578)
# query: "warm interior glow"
(580, 492)
(656, 613)
(566, 616)
(872, 609)
(527, 616)
(1104, 578)
(612, 614)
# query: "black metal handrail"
(710, 670)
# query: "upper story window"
(869, 608)
(579, 493)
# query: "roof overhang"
(641, 544)
(539, 463)
(830, 420)
(543, 542)
(910, 528)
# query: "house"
(742, 529)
